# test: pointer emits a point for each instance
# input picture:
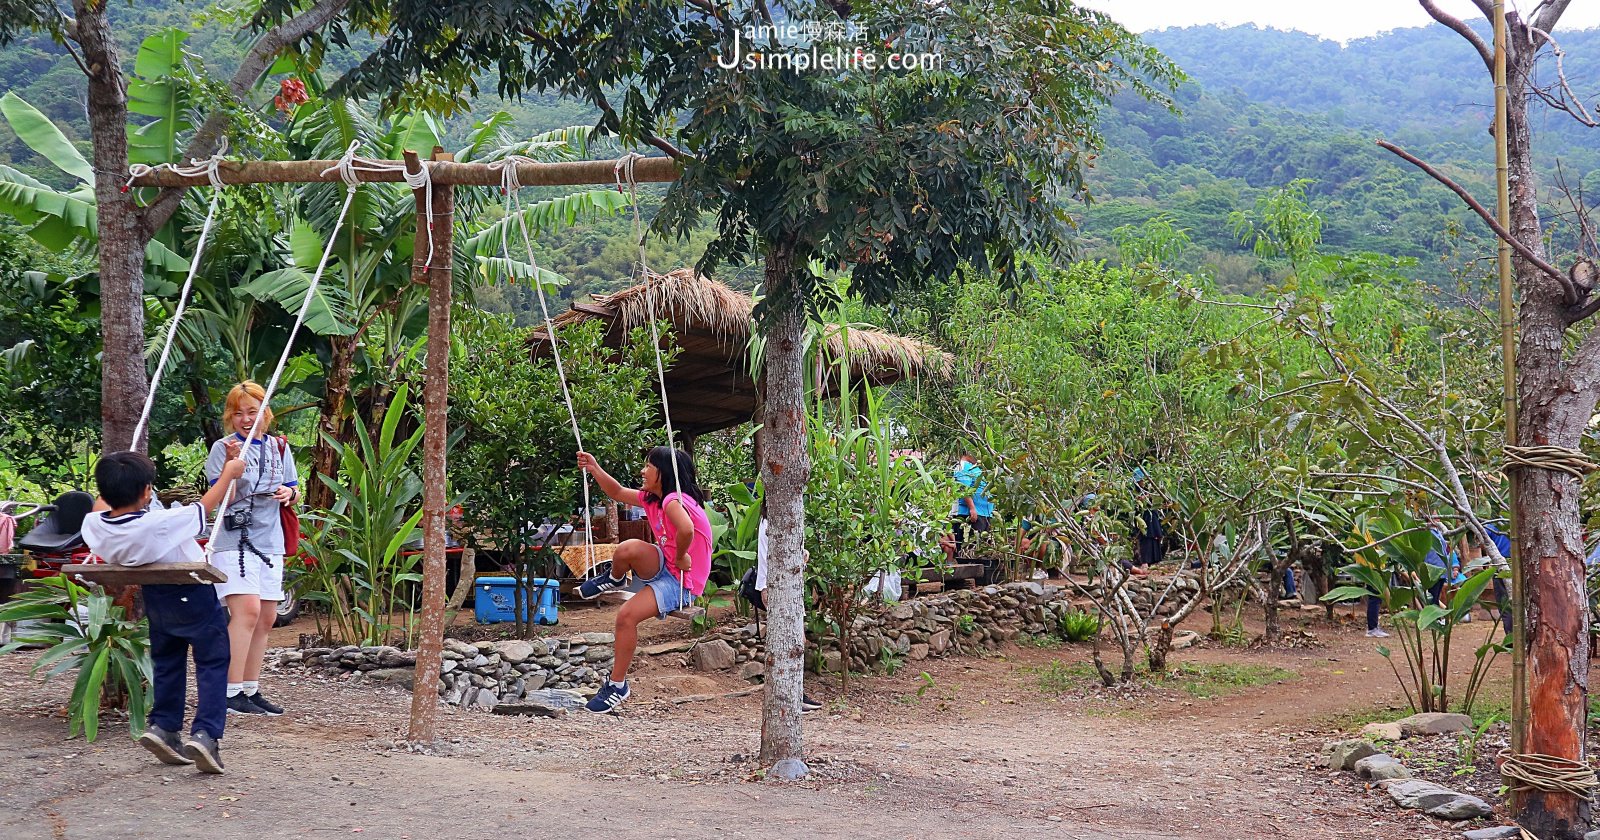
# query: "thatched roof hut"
(709, 386)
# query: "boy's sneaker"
(1377, 633)
(164, 745)
(600, 584)
(808, 705)
(608, 698)
(261, 702)
(239, 704)
(202, 749)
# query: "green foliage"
(86, 633)
(1207, 681)
(866, 510)
(356, 570)
(1078, 626)
(1397, 572)
(735, 531)
(518, 460)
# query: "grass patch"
(1061, 678)
(1217, 680)
(1046, 640)
(1196, 679)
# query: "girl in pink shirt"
(674, 567)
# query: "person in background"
(973, 511)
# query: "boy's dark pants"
(186, 617)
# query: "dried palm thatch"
(689, 301)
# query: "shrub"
(1078, 626)
(85, 632)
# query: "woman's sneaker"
(239, 704)
(608, 698)
(266, 706)
(808, 705)
(164, 745)
(600, 584)
(202, 750)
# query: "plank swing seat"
(619, 598)
(108, 575)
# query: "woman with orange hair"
(249, 542)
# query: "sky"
(1338, 20)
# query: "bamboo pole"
(436, 390)
(443, 172)
(1508, 383)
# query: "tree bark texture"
(785, 467)
(435, 397)
(123, 382)
(1554, 406)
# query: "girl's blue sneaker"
(608, 698)
(601, 583)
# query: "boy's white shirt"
(144, 537)
(761, 556)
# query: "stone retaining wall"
(483, 674)
(486, 673)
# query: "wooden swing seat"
(109, 575)
(619, 598)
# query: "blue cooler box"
(496, 599)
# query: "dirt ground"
(963, 747)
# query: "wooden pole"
(442, 171)
(1508, 384)
(436, 392)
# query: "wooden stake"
(435, 399)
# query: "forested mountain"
(1263, 108)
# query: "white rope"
(652, 283)
(510, 186)
(183, 295)
(347, 171)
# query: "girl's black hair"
(661, 457)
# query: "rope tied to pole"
(653, 284)
(1549, 773)
(1554, 458)
(211, 167)
(511, 188)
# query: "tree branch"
(1527, 253)
(260, 57)
(1550, 15)
(1569, 100)
(1461, 28)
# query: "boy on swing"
(674, 567)
(183, 617)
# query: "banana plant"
(64, 220)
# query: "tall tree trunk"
(332, 423)
(785, 467)
(123, 381)
(1553, 410)
(435, 400)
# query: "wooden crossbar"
(104, 573)
(568, 173)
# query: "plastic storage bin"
(496, 598)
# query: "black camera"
(236, 520)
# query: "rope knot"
(1549, 773)
(1553, 458)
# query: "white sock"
(249, 687)
(235, 688)
(615, 684)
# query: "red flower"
(291, 92)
